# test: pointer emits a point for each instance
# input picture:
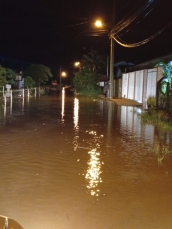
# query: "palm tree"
(93, 62)
(167, 72)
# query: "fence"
(140, 85)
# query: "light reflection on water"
(93, 172)
(76, 123)
(94, 164)
(76, 114)
(63, 105)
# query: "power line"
(141, 42)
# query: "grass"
(161, 151)
(159, 118)
(89, 92)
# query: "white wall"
(139, 86)
(124, 85)
(132, 84)
(151, 83)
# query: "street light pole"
(112, 53)
(111, 67)
(60, 78)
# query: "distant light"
(63, 73)
(98, 23)
(77, 64)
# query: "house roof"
(123, 63)
(120, 67)
(151, 63)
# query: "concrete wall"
(139, 85)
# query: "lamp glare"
(98, 23)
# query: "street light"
(77, 64)
(98, 23)
(62, 74)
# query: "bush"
(89, 92)
(162, 101)
(151, 102)
(85, 81)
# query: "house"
(139, 82)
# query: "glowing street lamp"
(98, 23)
(62, 74)
(77, 64)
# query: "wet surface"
(71, 162)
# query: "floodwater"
(76, 163)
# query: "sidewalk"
(123, 102)
(126, 102)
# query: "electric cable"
(141, 42)
(145, 11)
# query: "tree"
(167, 72)
(11, 75)
(29, 82)
(3, 74)
(167, 69)
(93, 62)
(92, 65)
(85, 80)
(39, 73)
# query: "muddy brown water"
(76, 163)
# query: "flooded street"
(76, 163)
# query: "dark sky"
(54, 32)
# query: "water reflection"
(11, 104)
(5, 110)
(63, 105)
(110, 118)
(48, 180)
(14, 103)
(94, 165)
(23, 106)
(93, 172)
(131, 124)
(76, 124)
(76, 114)
(28, 96)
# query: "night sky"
(58, 32)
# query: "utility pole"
(111, 67)
(112, 54)
(60, 78)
